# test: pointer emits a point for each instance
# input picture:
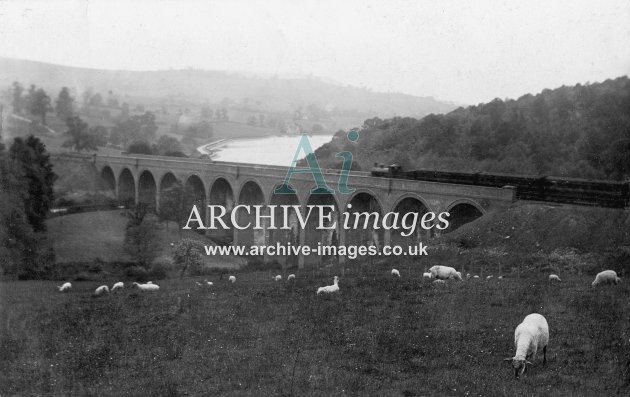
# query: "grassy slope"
(85, 237)
(379, 336)
(530, 227)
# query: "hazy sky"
(462, 51)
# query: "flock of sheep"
(530, 336)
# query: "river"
(274, 150)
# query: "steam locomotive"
(538, 188)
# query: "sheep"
(291, 277)
(475, 276)
(438, 282)
(65, 287)
(489, 277)
(278, 278)
(444, 272)
(198, 284)
(426, 275)
(530, 336)
(467, 275)
(500, 277)
(395, 272)
(208, 283)
(329, 288)
(117, 286)
(232, 279)
(554, 278)
(101, 290)
(606, 277)
(147, 286)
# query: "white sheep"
(395, 272)
(147, 287)
(101, 290)
(232, 279)
(117, 286)
(530, 336)
(475, 276)
(467, 275)
(438, 282)
(329, 288)
(278, 278)
(606, 277)
(500, 277)
(554, 278)
(489, 277)
(208, 283)
(426, 275)
(444, 273)
(291, 277)
(65, 287)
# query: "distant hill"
(264, 94)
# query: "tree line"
(581, 131)
(136, 133)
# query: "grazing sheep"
(291, 277)
(147, 287)
(426, 275)
(467, 275)
(232, 279)
(101, 290)
(530, 336)
(500, 277)
(395, 272)
(489, 277)
(117, 286)
(208, 283)
(65, 287)
(475, 276)
(278, 278)
(554, 278)
(198, 284)
(438, 282)
(606, 277)
(444, 272)
(329, 288)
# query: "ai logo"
(314, 169)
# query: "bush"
(136, 273)
(84, 276)
(157, 271)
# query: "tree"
(16, 97)
(167, 144)
(64, 105)
(140, 147)
(175, 204)
(96, 100)
(81, 137)
(141, 236)
(33, 162)
(187, 254)
(135, 129)
(40, 104)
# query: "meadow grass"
(379, 335)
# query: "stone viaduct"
(144, 179)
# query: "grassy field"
(85, 237)
(377, 336)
